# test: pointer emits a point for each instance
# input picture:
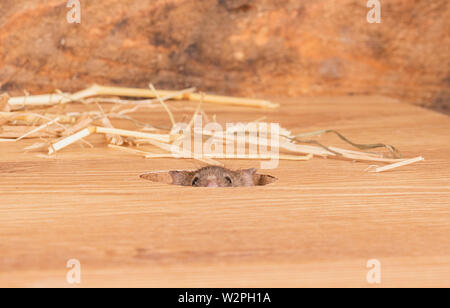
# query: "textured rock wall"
(241, 47)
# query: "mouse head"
(213, 176)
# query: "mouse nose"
(212, 184)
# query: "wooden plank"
(317, 226)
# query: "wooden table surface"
(317, 226)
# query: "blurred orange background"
(254, 48)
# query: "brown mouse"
(213, 176)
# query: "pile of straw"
(58, 131)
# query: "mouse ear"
(251, 171)
(179, 177)
(248, 176)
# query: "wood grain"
(317, 226)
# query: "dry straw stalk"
(97, 90)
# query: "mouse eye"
(195, 181)
(229, 180)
